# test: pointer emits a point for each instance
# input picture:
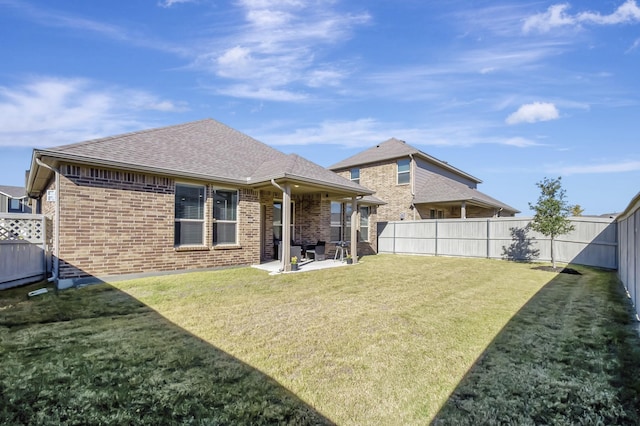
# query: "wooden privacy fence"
(629, 251)
(23, 257)
(592, 243)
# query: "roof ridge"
(127, 134)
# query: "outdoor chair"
(318, 251)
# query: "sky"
(510, 92)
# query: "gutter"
(56, 226)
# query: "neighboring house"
(13, 199)
(192, 196)
(415, 185)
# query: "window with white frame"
(364, 223)
(355, 175)
(189, 214)
(225, 215)
(277, 220)
(15, 205)
(341, 222)
(404, 171)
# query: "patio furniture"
(342, 248)
(317, 251)
(294, 251)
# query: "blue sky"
(510, 92)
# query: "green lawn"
(392, 340)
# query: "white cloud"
(57, 19)
(557, 16)
(366, 132)
(627, 12)
(53, 111)
(262, 93)
(278, 46)
(169, 3)
(520, 142)
(356, 133)
(534, 112)
(616, 167)
(634, 46)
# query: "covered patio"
(299, 212)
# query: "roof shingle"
(440, 189)
(205, 148)
(13, 191)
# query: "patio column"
(355, 224)
(286, 227)
(463, 210)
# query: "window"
(436, 214)
(364, 223)
(277, 220)
(341, 222)
(404, 171)
(225, 215)
(189, 215)
(15, 205)
(336, 221)
(355, 175)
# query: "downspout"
(412, 177)
(56, 225)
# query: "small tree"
(577, 210)
(551, 212)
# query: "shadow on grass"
(571, 355)
(95, 355)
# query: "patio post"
(463, 210)
(355, 224)
(286, 228)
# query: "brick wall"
(114, 222)
(382, 177)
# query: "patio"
(274, 267)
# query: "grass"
(392, 340)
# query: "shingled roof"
(392, 149)
(440, 189)
(205, 149)
(13, 191)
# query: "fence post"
(436, 239)
(488, 238)
(394, 238)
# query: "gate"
(23, 253)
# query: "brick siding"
(382, 178)
(114, 222)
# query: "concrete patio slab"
(273, 267)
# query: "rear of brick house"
(194, 196)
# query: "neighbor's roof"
(392, 149)
(13, 191)
(205, 149)
(440, 189)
